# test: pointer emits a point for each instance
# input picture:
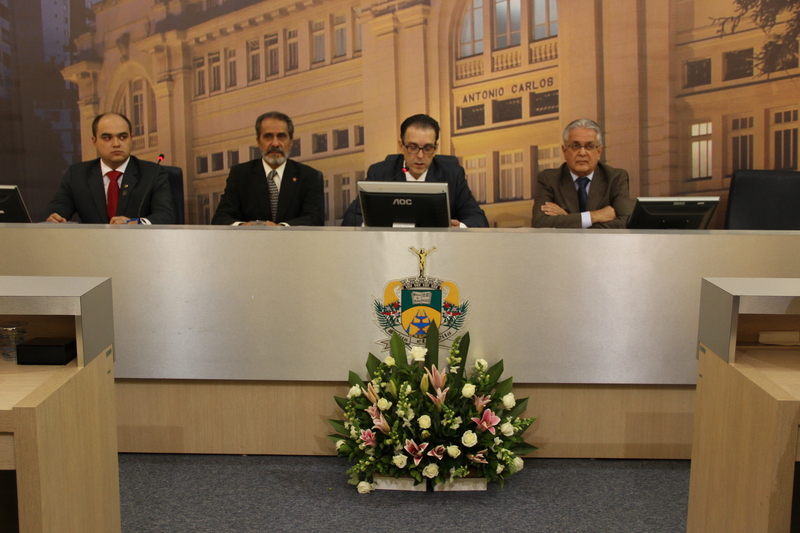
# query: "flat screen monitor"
(671, 212)
(12, 208)
(404, 204)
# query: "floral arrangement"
(413, 419)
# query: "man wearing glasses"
(419, 136)
(583, 192)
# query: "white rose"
(507, 429)
(424, 421)
(508, 401)
(339, 444)
(500, 468)
(364, 487)
(431, 471)
(418, 353)
(384, 404)
(453, 451)
(481, 365)
(518, 463)
(456, 423)
(400, 461)
(468, 390)
(469, 439)
(355, 391)
(389, 361)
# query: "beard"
(275, 157)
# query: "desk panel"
(560, 306)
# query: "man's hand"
(607, 214)
(259, 223)
(551, 209)
(455, 223)
(55, 217)
(122, 220)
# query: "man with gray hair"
(272, 190)
(583, 192)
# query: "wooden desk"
(58, 431)
(747, 415)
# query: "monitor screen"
(690, 212)
(12, 208)
(404, 204)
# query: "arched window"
(545, 19)
(472, 30)
(507, 23)
(137, 101)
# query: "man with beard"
(273, 190)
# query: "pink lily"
(373, 411)
(381, 424)
(481, 402)
(416, 451)
(478, 457)
(370, 393)
(487, 421)
(437, 379)
(368, 437)
(440, 397)
(437, 452)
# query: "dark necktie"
(583, 196)
(273, 195)
(112, 195)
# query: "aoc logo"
(402, 201)
(410, 305)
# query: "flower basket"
(411, 419)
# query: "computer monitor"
(404, 204)
(671, 212)
(12, 208)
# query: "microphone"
(149, 186)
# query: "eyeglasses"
(589, 147)
(428, 149)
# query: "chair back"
(764, 199)
(175, 176)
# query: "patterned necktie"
(583, 196)
(273, 195)
(112, 196)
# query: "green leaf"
(523, 448)
(503, 388)
(354, 379)
(463, 350)
(372, 365)
(494, 373)
(398, 350)
(518, 409)
(338, 426)
(432, 344)
(341, 402)
(335, 438)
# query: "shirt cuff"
(145, 221)
(586, 219)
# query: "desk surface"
(559, 306)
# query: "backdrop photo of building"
(682, 106)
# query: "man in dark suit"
(273, 190)
(419, 137)
(582, 193)
(116, 188)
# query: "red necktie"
(113, 193)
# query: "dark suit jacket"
(144, 184)
(609, 187)
(246, 196)
(444, 168)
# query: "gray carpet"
(220, 493)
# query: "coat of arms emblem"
(410, 305)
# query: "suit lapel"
(289, 183)
(598, 189)
(567, 188)
(433, 173)
(97, 189)
(129, 181)
(258, 179)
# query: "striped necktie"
(273, 195)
